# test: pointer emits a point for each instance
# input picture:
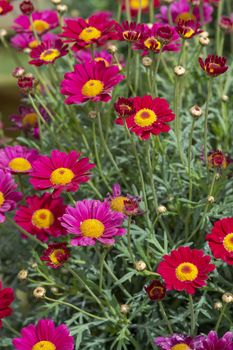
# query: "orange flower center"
(43, 218)
(29, 119)
(2, 199)
(135, 4)
(39, 26)
(152, 42)
(185, 16)
(19, 165)
(62, 176)
(1, 10)
(49, 55)
(92, 228)
(181, 346)
(54, 256)
(89, 33)
(213, 67)
(44, 345)
(228, 242)
(145, 117)
(186, 272)
(92, 88)
(117, 204)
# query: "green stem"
(218, 30)
(114, 277)
(7, 325)
(155, 89)
(129, 240)
(192, 314)
(139, 12)
(102, 260)
(209, 89)
(177, 99)
(119, 11)
(220, 318)
(166, 320)
(189, 159)
(128, 13)
(151, 11)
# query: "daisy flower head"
(213, 65)
(182, 10)
(124, 108)
(8, 196)
(185, 269)
(44, 335)
(156, 290)
(90, 82)
(40, 217)
(188, 29)
(178, 342)
(131, 32)
(135, 5)
(6, 299)
(217, 159)
(213, 342)
(27, 41)
(17, 159)
(151, 117)
(92, 221)
(42, 22)
(56, 255)
(97, 29)
(5, 7)
(48, 52)
(220, 240)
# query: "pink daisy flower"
(48, 52)
(6, 298)
(23, 41)
(90, 81)
(43, 21)
(17, 159)
(40, 216)
(44, 335)
(8, 196)
(5, 7)
(60, 171)
(91, 221)
(131, 32)
(97, 29)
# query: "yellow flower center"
(43, 218)
(62, 176)
(29, 119)
(39, 26)
(20, 165)
(92, 88)
(185, 16)
(135, 4)
(33, 44)
(181, 346)
(152, 42)
(92, 228)
(89, 34)
(189, 33)
(49, 55)
(1, 10)
(228, 242)
(53, 256)
(2, 199)
(117, 204)
(44, 345)
(186, 272)
(100, 59)
(145, 117)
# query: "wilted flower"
(217, 159)
(156, 290)
(26, 7)
(132, 207)
(39, 292)
(27, 83)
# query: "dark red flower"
(27, 82)
(188, 29)
(5, 7)
(48, 52)
(131, 206)
(217, 159)
(213, 65)
(6, 298)
(165, 33)
(156, 290)
(130, 31)
(56, 255)
(226, 24)
(124, 107)
(26, 7)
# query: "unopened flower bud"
(227, 298)
(3, 32)
(26, 7)
(92, 114)
(218, 305)
(39, 292)
(179, 71)
(167, 2)
(22, 275)
(34, 265)
(125, 309)
(225, 98)
(56, 2)
(217, 176)
(54, 290)
(112, 49)
(162, 209)
(196, 111)
(204, 41)
(204, 34)
(62, 8)
(140, 265)
(210, 199)
(147, 61)
(18, 72)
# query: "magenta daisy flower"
(8, 196)
(91, 221)
(6, 298)
(90, 81)
(43, 21)
(23, 41)
(48, 52)
(44, 335)
(56, 255)
(131, 32)
(40, 216)
(17, 159)
(213, 342)
(60, 171)
(178, 341)
(97, 29)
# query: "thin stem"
(102, 260)
(220, 318)
(155, 89)
(166, 320)
(114, 277)
(139, 12)
(218, 30)
(128, 13)
(129, 240)
(192, 314)
(7, 325)
(189, 159)
(119, 11)
(209, 89)
(151, 9)
(177, 99)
